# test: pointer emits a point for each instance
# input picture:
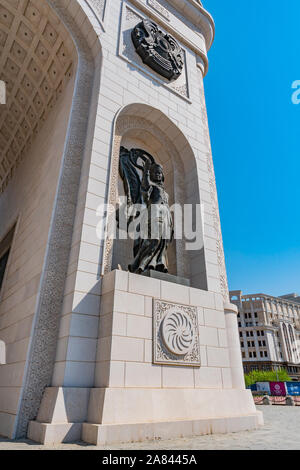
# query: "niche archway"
(142, 126)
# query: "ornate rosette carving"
(178, 333)
(175, 334)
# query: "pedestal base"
(54, 433)
(132, 415)
(167, 277)
(104, 434)
(60, 418)
(144, 389)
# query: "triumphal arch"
(115, 319)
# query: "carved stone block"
(175, 334)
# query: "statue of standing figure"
(147, 202)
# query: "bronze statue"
(148, 201)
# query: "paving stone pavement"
(281, 431)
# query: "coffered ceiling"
(37, 58)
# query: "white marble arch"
(141, 125)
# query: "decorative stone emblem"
(178, 333)
(175, 334)
(158, 50)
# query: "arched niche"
(145, 127)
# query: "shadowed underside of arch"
(37, 58)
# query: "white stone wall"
(28, 199)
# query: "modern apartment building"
(269, 329)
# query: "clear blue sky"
(255, 132)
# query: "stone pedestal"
(60, 418)
(167, 277)
(199, 392)
(146, 385)
(130, 415)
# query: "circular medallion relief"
(178, 332)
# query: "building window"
(263, 333)
(287, 342)
(292, 336)
(242, 344)
(255, 314)
(261, 354)
(5, 246)
(266, 353)
(258, 333)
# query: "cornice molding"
(196, 14)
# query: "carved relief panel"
(175, 334)
(146, 46)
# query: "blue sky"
(255, 133)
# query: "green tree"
(266, 376)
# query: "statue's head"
(156, 173)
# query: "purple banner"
(278, 389)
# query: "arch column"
(43, 344)
(237, 372)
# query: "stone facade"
(269, 331)
(76, 330)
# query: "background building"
(269, 329)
